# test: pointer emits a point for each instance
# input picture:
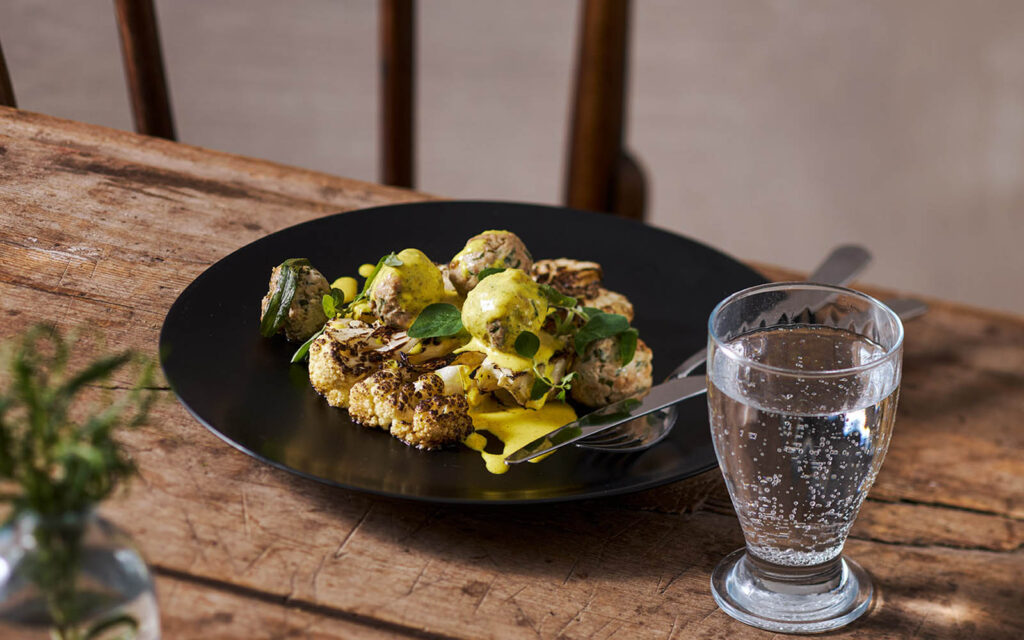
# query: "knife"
(660, 396)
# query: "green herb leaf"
(590, 312)
(627, 345)
(556, 297)
(333, 302)
(329, 307)
(603, 325)
(392, 260)
(301, 352)
(527, 344)
(281, 299)
(437, 320)
(540, 387)
(489, 271)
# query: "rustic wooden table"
(105, 228)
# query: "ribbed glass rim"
(807, 286)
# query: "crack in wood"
(680, 574)
(579, 612)
(487, 591)
(945, 505)
(379, 624)
(935, 545)
(352, 531)
(419, 575)
(571, 569)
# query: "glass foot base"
(791, 599)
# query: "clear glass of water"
(803, 381)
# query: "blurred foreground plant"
(58, 457)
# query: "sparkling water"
(799, 454)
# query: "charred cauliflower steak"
(306, 312)
(488, 250)
(346, 352)
(574, 278)
(602, 379)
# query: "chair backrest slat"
(398, 92)
(598, 111)
(6, 90)
(144, 68)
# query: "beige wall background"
(771, 129)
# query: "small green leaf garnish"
(437, 320)
(540, 387)
(627, 345)
(301, 352)
(391, 260)
(527, 344)
(489, 271)
(333, 302)
(281, 299)
(329, 307)
(557, 298)
(603, 325)
(590, 312)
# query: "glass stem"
(816, 578)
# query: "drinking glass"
(803, 381)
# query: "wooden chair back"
(600, 175)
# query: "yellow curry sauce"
(515, 427)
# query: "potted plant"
(65, 572)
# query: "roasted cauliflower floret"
(437, 421)
(574, 278)
(306, 312)
(348, 351)
(602, 379)
(518, 385)
(610, 302)
(377, 401)
(398, 294)
(418, 413)
(490, 249)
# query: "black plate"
(240, 385)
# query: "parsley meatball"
(398, 294)
(602, 379)
(306, 312)
(490, 249)
(503, 306)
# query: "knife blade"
(659, 397)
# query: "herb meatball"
(503, 306)
(610, 302)
(306, 311)
(490, 249)
(398, 293)
(602, 379)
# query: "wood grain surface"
(105, 228)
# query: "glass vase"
(74, 576)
